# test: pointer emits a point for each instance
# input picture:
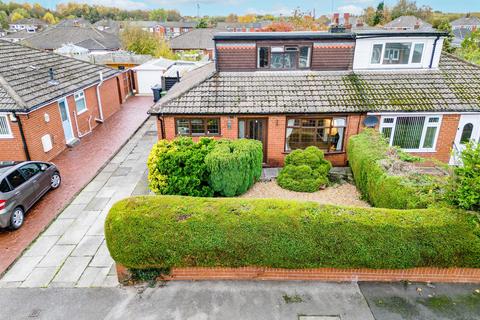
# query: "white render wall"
(147, 79)
(364, 47)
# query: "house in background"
(242, 27)
(408, 23)
(30, 25)
(17, 36)
(49, 102)
(171, 29)
(462, 28)
(291, 90)
(108, 25)
(199, 40)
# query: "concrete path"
(72, 250)
(191, 300)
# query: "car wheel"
(17, 218)
(55, 180)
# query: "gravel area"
(345, 194)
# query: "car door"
(44, 179)
(23, 192)
(31, 173)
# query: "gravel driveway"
(345, 194)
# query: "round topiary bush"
(304, 171)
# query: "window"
(80, 102)
(283, 60)
(325, 133)
(4, 186)
(304, 59)
(29, 170)
(16, 179)
(466, 133)
(5, 131)
(198, 127)
(284, 57)
(263, 57)
(415, 133)
(402, 53)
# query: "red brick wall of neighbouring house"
(35, 126)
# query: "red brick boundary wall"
(451, 275)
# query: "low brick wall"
(451, 275)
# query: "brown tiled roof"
(454, 87)
(24, 76)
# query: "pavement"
(72, 251)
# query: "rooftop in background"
(30, 21)
(470, 21)
(90, 38)
(195, 39)
(74, 22)
(25, 80)
(408, 23)
(454, 87)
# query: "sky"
(276, 7)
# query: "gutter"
(24, 140)
(100, 109)
(433, 51)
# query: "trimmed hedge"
(204, 168)
(234, 166)
(304, 170)
(174, 231)
(365, 151)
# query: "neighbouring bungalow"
(462, 28)
(292, 90)
(30, 25)
(49, 102)
(199, 40)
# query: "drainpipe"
(162, 126)
(81, 135)
(433, 51)
(100, 109)
(22, 134)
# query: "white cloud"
(352, 9)
(122, 4)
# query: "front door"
(254, 129)
(66, 122)
(468, 130)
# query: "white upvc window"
(80, 102)
(5, 130)
(397, 53)
(414, 133)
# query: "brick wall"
(276, 136)
(35, 126)
(451, 275)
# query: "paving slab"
(88, 246)
(58, 227)
(93, 277)
(39, 277)
(56, 256)
(97, 203)
(72, 269)
(41, 246)
(73, 211)
(22, 268)
(74, 233)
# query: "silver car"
(21, 185)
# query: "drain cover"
(319, 318)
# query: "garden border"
(447, 275)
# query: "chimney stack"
(336, 19)
(346, 22)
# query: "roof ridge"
(11, 92)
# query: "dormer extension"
(282, 51)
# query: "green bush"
(304, 170)
(465, 191)
(234, 166)
(365, 152)
(173, 231)
(177, 167)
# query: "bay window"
(326, 133)
(412, 133)
(197, 126)
(401, 53)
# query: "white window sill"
(81, 112)
(6, 137)
(419, 150)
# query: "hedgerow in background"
(174, 231)
(465, 191)
(234, 166)
(178, 167)
(366, 151)
(304, 170)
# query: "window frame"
(426, 125)
(283, 48)
(205, 124)
(8, 135)
(316, 117)
(76, 99)
(401, 65)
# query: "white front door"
(468, 130)
(66, 121)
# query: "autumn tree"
(470, 49)
(445, 26)
(3, 20)
(248, 18)
(231, 18)
(143, 42)
(158, 15)
(281, 26)
(49, 18)
(203, 23)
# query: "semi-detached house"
(48, 101)
(298, 89)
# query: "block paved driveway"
(72, 250)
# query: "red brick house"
(49, 102)
(292, 90)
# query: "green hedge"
(174, 231)
(365, 151)
(204, 168)
(304, 170)
(234, 166)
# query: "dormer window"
(392, 53)
(284, 57)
